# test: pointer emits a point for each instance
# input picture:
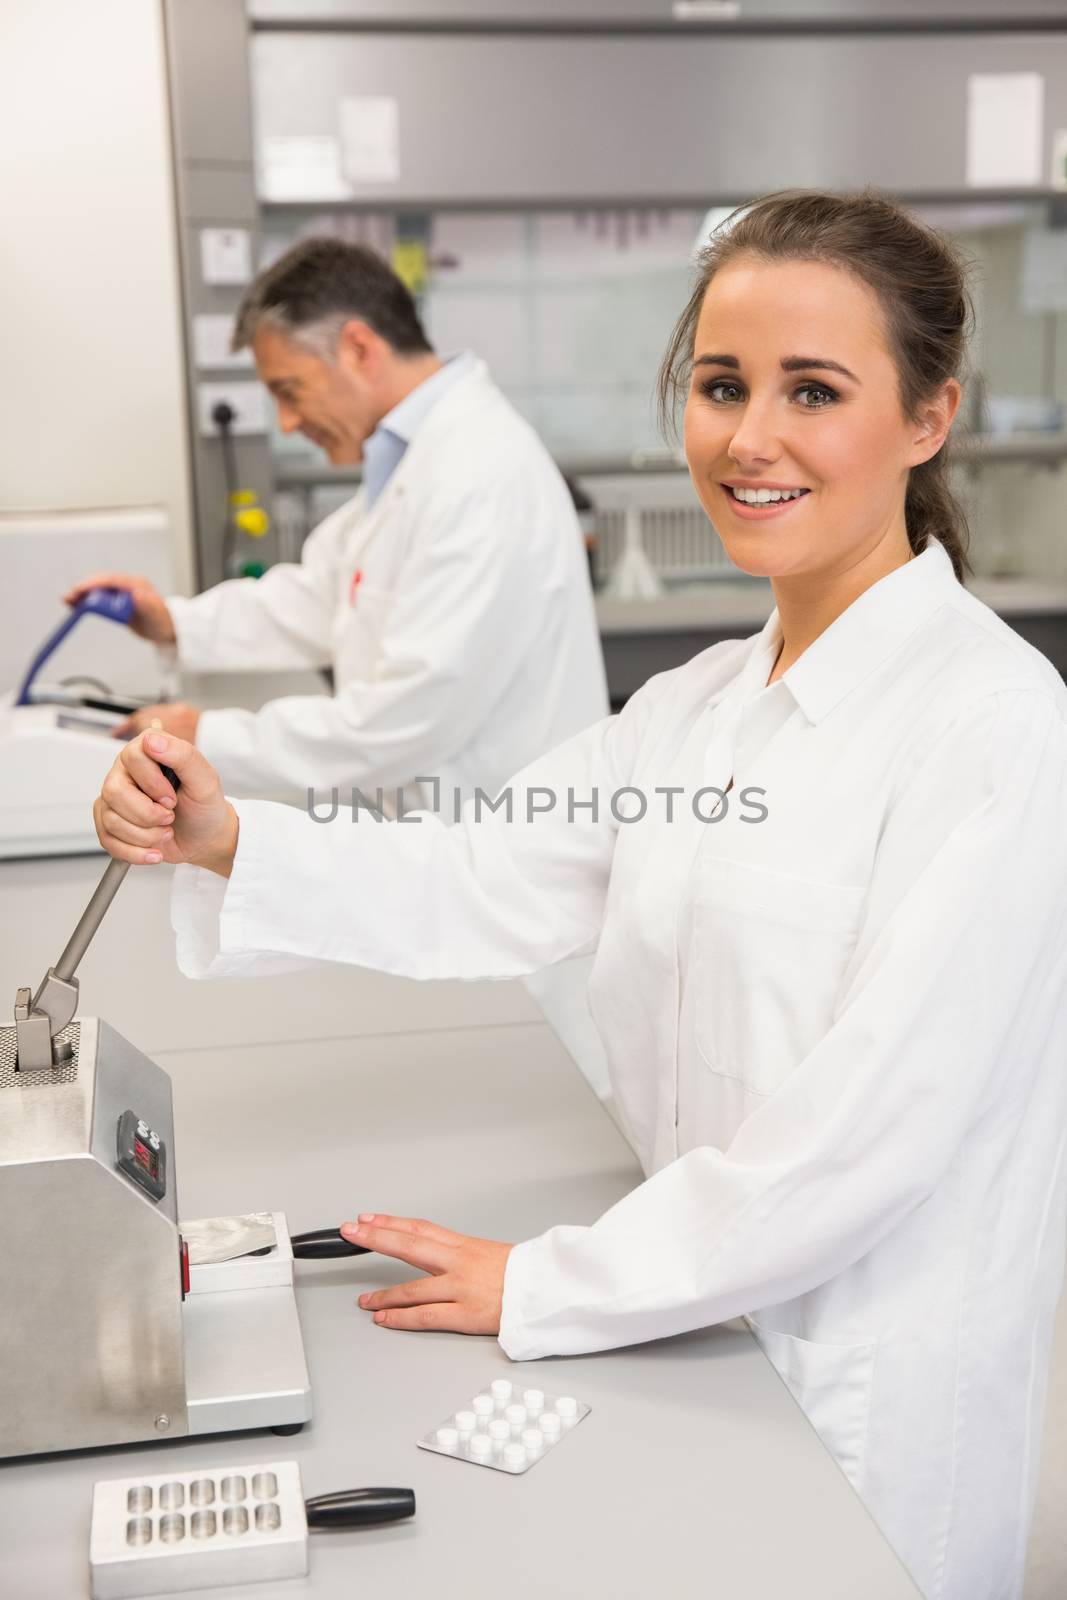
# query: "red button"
(183, 1249)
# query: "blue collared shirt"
(384, 450)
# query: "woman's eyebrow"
(788, 364)
(800, 364)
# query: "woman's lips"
(773, 508)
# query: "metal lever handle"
(90, 920)
(95, 911)
(56, 1000)
(358, 1508)
(321, 1244)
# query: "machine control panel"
(142, 1155)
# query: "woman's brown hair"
(920, 281)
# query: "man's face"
(329, 402)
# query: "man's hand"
(151, 616)
(173, 717)
(464, 1291)
(140, 819)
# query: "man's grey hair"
(319, 285)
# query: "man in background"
(449, 596)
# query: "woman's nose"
(754, 440)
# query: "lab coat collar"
(408, 415)
(467, 386)
(865, 635)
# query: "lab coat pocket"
(769, 955)
(832, 1384)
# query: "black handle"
(171, 777)
(323, 1243)
(359, 1508)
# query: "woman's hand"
(140, 819)
(464, 1291)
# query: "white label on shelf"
(302, 167)
(211, 342)
(226, 255)
(1005, 143)
(706, 10)
(1043, 280)
(1058, 175)
(370, 138)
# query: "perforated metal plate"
(10, 1079)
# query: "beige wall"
(92, 406)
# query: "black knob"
(321, 1244)
(360, 1508)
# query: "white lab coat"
(838, 1036)
(456, 614)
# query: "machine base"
(244, 1353)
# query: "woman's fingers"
(417, 1247)
(418, 1292)
(129, 833)
(444, 1318)
(122, 797)
(414, 1227)
(199, 780)
(141, 770)
(136, 855)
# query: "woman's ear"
(936, 417)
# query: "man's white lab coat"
(456, 614)
(837, 1035)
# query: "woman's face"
(794, 388)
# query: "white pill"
(516, 1415)
(466, 1421)
(501, 1389)
(499, 1430)
(533, 1438)
(567, 1406)
(483, 1405)
(447, 1438)
(551, 1425)
(514, 1456)
(481, 1445)
(533, 1400)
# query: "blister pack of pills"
(506, 1427)
(197, 1530)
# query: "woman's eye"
(710, 385)
(820, 389)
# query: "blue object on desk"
(115, 604)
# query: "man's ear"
(936, 417)
(359, 348)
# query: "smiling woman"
(843, 449)
(835, 1040)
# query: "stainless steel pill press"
(111, 1333)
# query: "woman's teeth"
(763, 497)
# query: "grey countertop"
(337, 1091)
(746, 604)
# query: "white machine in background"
(50, 772)
(56, 746)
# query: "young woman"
(824, 871)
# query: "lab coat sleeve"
(462, 618)
(281, 622)
(964, 939)
(484, 898)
